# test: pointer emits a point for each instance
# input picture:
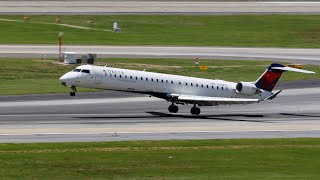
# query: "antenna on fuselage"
(106, 65)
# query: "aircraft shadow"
(299, 115)
(214, 117)
(154, 114)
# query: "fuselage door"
(98, 75)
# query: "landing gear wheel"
(74, 89)
(173, 109)
(195, 110)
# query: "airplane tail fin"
(268, 80)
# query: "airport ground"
(187, 159)
(299, 31)
(122, 117)
(159, 7)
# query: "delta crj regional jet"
(178, 89)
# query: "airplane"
(178, 89)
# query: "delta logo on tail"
(270, 77)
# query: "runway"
(295, 113)
(293, 55)
(156, 7)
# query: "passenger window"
(115, 75)
(157, 80)
(125, 76)
(130, 77)
(171, 82)
(179, 83)
(217, 87)
(167, 81)
(202, 85)
(141, 78)
(186, 84)
(76, 70)
(152, 79)
(207, 86)
(136, 78)
(120, 76)
(191, 84)
(212, 87)
(222, 88)
(197, 85)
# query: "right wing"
(211, 101)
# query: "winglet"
(273, 95)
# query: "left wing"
(211, 101)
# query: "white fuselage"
(145, 82)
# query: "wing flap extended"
(211, 101)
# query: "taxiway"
(293, 55)
(156, 7)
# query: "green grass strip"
(185, 30)
(186, 159)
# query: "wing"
(211, 101)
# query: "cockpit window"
(76, 70)
(85, 71)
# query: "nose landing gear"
(195, 110)
(74, 90)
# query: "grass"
(29, 76)
(185, 30)
(186, 159)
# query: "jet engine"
(247, 88)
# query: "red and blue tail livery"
(271, 76)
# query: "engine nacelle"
(247, 88)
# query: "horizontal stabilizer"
(293, 69)
(273, 95)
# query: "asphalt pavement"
(294, 113)
(156, 7)
(292, 55)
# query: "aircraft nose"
(64, 78)
(68, 78)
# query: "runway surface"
(113, 117)
(156, 7)
(294, 55)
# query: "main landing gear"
(74, 90)
(195, 110)
(173, 108)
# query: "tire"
(173, 109)
(195, 111)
